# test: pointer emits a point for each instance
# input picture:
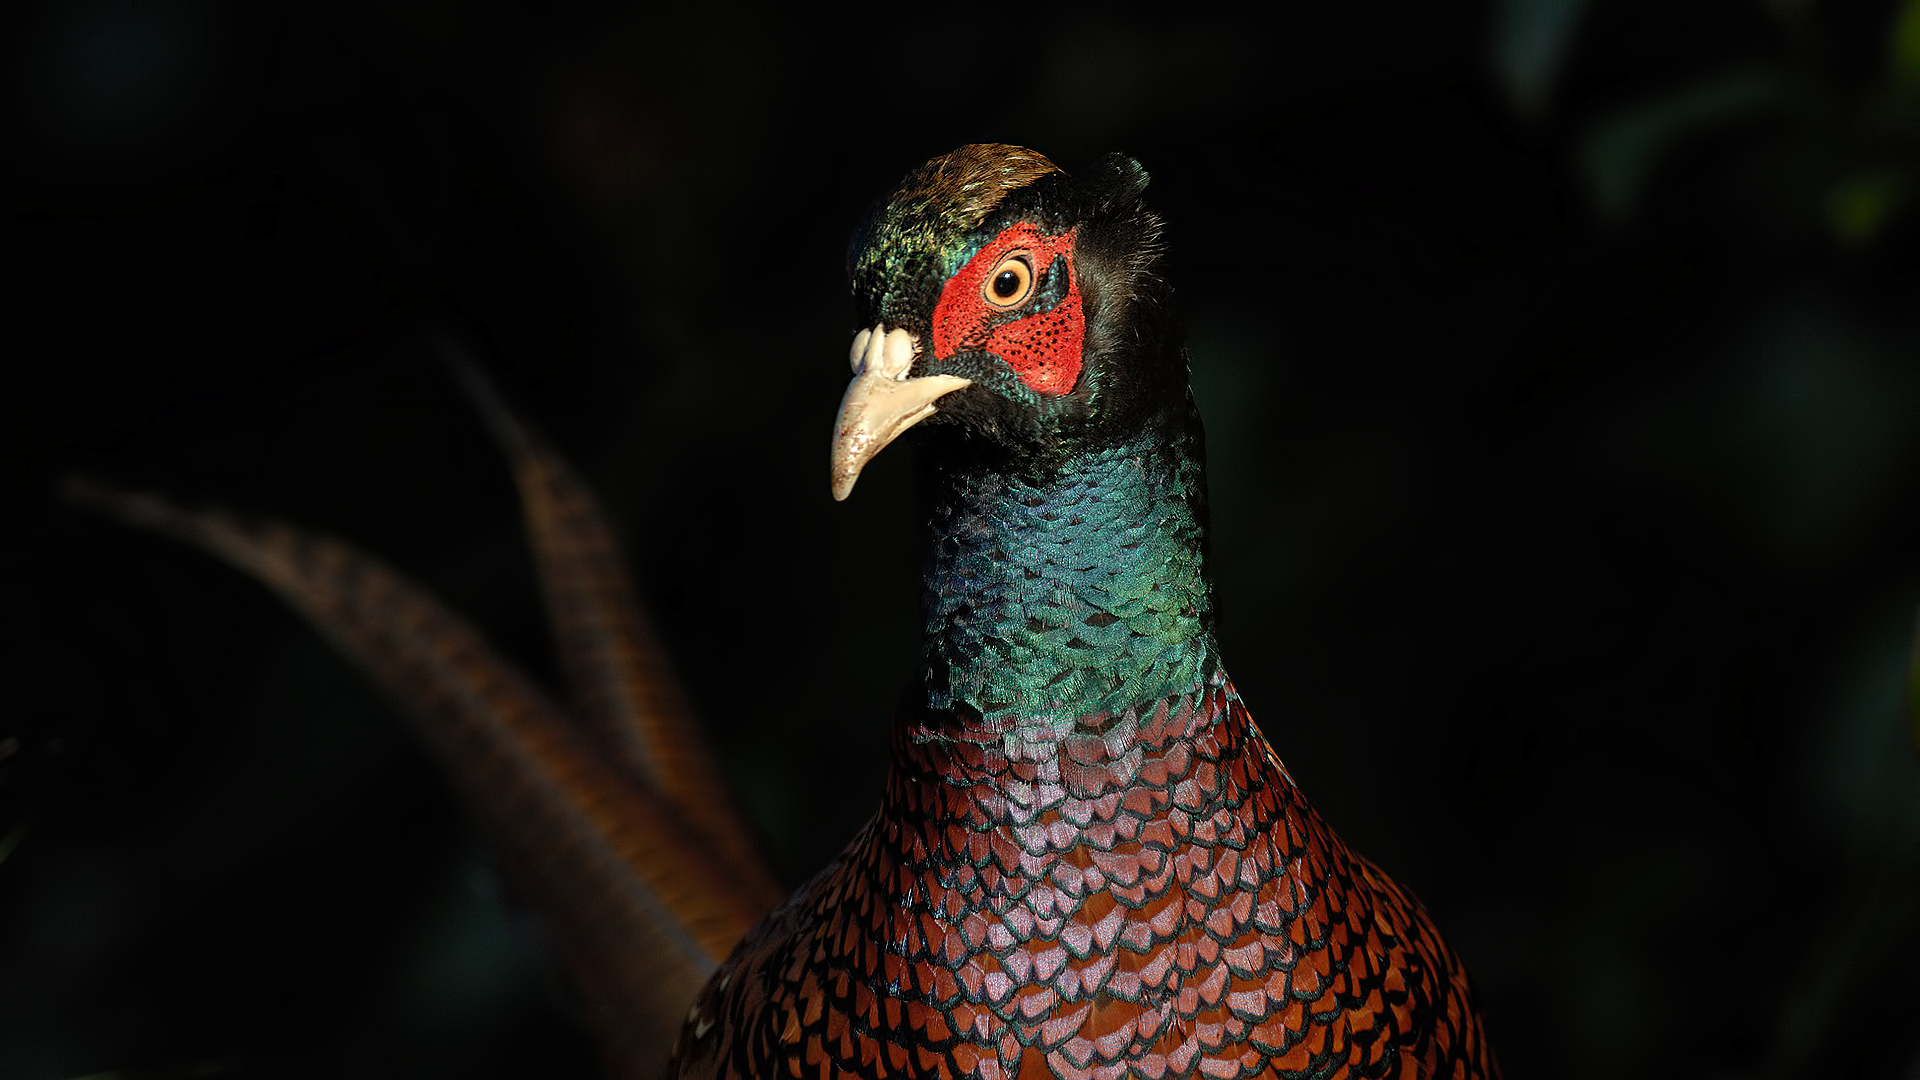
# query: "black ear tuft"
(1117, 178)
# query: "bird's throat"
(1061, 593)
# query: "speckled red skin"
(1141, 895)
(1042, 347)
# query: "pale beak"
(881, 402)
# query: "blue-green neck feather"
(1058, 593)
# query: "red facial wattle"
(1042, 345)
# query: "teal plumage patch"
(1079, 590)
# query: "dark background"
(1561, 364)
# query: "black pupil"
(1006, 283)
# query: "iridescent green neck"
(1077, 589)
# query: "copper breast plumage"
(1148, 895)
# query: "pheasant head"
(1012, 304)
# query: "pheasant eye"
(1011, 282)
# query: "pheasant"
(1088, 861)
